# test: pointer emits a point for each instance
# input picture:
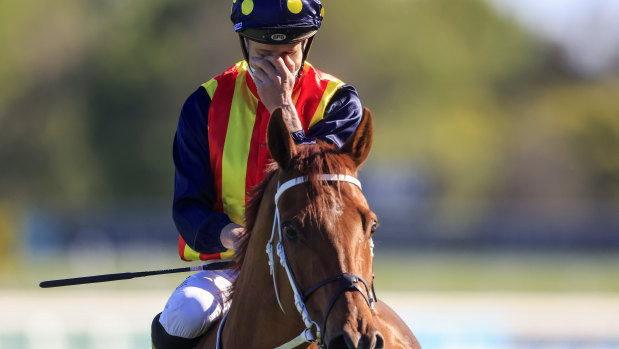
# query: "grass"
(395, 270)
(539, 271)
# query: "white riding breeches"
(197, 303)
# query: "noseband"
(313, 333)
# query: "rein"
(313, 333)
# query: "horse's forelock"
(313, 162)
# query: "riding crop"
(215, 265)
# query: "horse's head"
(326, 229)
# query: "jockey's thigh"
(197, 303)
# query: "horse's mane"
(311, 160)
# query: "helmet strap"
(306, 50)
(244, 48)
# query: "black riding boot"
(162, 340)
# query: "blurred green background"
(495, 164)
(497, 124)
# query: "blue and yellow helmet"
(277, 21)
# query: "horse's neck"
(254, 314)
(255, 319)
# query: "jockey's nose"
(347, 340)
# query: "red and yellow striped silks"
(188, 254)
(237, 123)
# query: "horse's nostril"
(343, 341)
(339, 342)
(379, 342)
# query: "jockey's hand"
(275, 77)
(230, 235)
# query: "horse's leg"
(395, 332)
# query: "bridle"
(313, 333)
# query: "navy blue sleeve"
(342, 116)
(194, 193)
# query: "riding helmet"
(277, 21)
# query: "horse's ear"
(281, 145)
(359, 143)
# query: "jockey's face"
(294, 52)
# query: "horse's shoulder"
(209, 339)
(394, 329)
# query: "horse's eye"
(290, 232)
(373, 228)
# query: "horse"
(306, 259)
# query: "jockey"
(220, 150)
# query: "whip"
(214, 265)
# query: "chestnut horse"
(314, 285)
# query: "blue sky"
(587, 30)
